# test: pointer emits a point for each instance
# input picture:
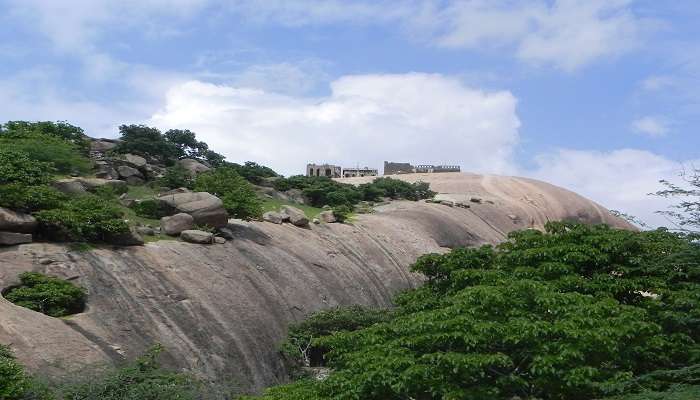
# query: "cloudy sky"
(599, 96)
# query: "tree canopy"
(578, 312)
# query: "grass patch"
(275, 205)
(141, 192)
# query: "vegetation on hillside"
(238, 196)
(47, 295)
(325, 191)
(577, 312)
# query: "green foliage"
(30, 198)
(145, 141)
(342, 213)
(300, 347)
(65, 156)
(142, 380)
(88, 218)
(16, 167)
(47, 295)
(14, 383)
(578, 312)
(238, 196)
(325, 191)
(149, 208)
(253, 172)
(176, 177)
(61, 129)
(685, 215)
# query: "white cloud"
(567, 34)
(658, 82)
(650, 126)
(366, 119)
(619, 180)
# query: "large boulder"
(13, 238)
(193, 167)
(134, 160)
(205, 208)
(92, 184)
(69, 186)
(328, 216)
(102, 145)
(275, 217)
(126, 171)
(16, 222)
(177, 223)
(296, 216)
(129, 238)
(195, 236)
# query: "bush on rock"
(47, 295)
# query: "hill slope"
(222, 309)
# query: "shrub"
(30, 198)
(238, 196)
(149, 208)
(143, 379)
(61, 129)
(83, 218)
(47, 295)
(176, 177)
(342, 213)
(65, 156)
(14, 383)
(17, 167)
(253, 172)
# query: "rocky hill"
(221, 310)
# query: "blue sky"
(601, 97)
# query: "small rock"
(16, 222)
(219, 240)
(316, 221)
(133, 159)
(130, 238)
(145, 230)
(13, 238)
(46, 261)
(296, 216)
(475, 200)
(274, 217)
(327, 216)
(69, 186)
(226, 233)
(177, 223)
(199, 237)
(447, 203)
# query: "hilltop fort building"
(327, 170)
(392, 168)
(353, 172)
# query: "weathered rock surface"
(126, 171)
(223, 310)
(205, 208)
(175, 224)
(196, 236)
(82, 185)
(69, 186)
(130, 238)
(134, 160)
(193, 167)
(327, 216)
(13, 221)
(296, 216)
(275, 217)
(102, 145)
(13, 238)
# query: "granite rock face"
(223, 310)
(13, 221)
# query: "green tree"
(61, 129)
(16, 167)
(146, 141)
(686, 213)
(86, 218)
(47, 295)
(578, 312)
(175, 177)
(237, 194)
(65, 156)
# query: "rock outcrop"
(222, 310)
(175, 224)
(205, 208)
(296, 216)
(13, 221)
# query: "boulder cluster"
(186, 210)
(15, 227)
(297, 217)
